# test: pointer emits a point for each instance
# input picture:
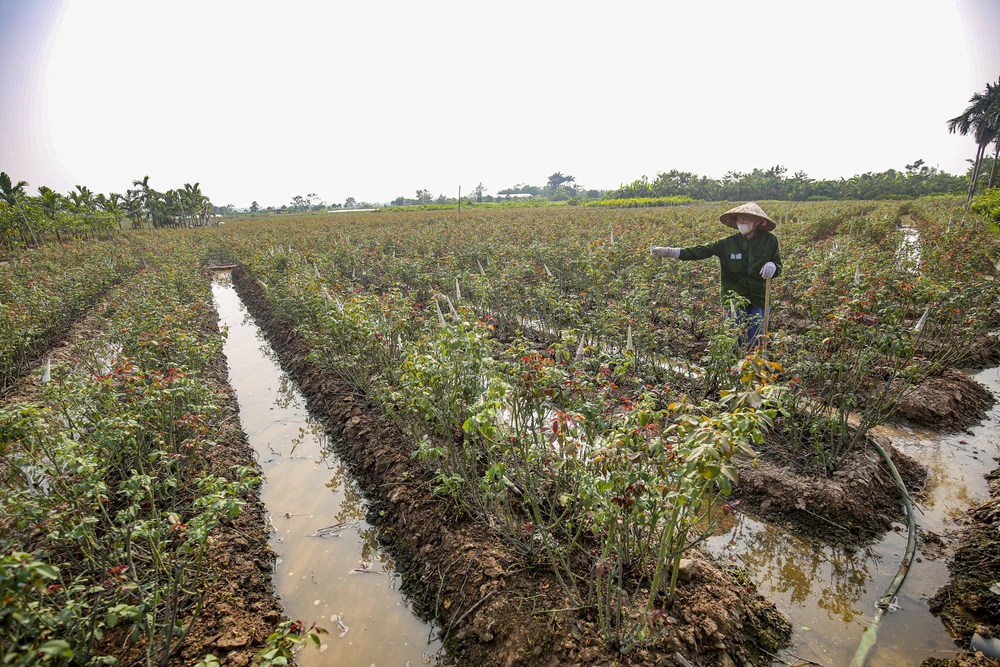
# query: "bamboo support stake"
(767, 312)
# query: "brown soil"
(969, 603)
(857, 504)
(983, 353)
(949, 402)
(965, 660)
(503, 610)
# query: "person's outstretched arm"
(694, 252)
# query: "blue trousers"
(751, 323)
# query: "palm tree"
(112, 206)
(11, 193)
(133, 207)
(982, 118)
(82, 200)
(196, 201)
(557, 179)
(52, 202)
(160, 207)
(144, 189)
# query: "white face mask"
(744, 227)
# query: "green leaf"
(47, 571)
(56, 648)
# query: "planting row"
(861, 310)
(117, 472)
(43, 291)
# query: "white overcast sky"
(372, 100)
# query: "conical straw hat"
(750, 208)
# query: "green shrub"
(988, 204)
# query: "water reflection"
(351, 507)
(797, 570)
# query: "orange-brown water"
(320, 576)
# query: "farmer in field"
(748, 259)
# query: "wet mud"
(857, 504)
(492, 606)
(949, 402)
(968, 660)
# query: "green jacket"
(741, 260)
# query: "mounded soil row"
(60, 342)
(493, 607)
(857, 504)
(949, 402)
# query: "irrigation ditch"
(328, 567)
(830, 591)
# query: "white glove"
(768, 270)
(672, 253)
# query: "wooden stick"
(767, 312)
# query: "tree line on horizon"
(981, 119)
(918, 180)
(30, 219)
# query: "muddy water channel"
(329, 568)
(829, 593)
